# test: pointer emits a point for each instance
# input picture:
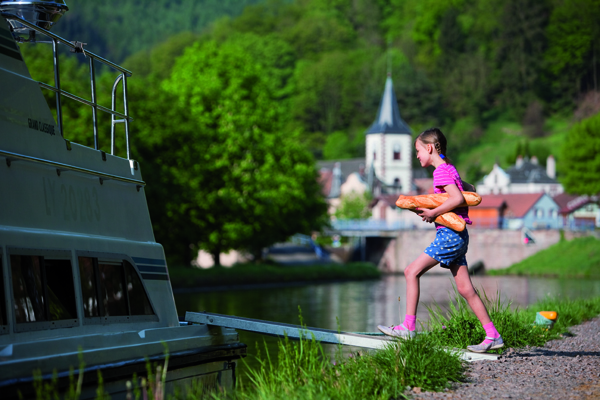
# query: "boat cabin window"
(43, 289)
(112, 288)
(3, 320)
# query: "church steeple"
(389, 145)
(388, 117)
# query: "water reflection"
(361, 306)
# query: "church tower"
(389, 144)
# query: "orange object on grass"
(551, 315)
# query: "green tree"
(162, 133)
(247, 183)
(522, 42)
(573, 50)
(580, 162)
(118, 29)
(354, 206)
(75, 79)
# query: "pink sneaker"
(398, 331)
(496, 343)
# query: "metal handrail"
(66, 42)
(81, 100)
(70, 95)
(93, 103)
(114, 121)
(66, 167)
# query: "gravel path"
(562, 369)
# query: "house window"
(43, 289)
(396, 150)
(539, 213)
(397, 182)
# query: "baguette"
(452, 221)
(435, 200)
(449, 219)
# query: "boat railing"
(77, 47)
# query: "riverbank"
(421, 368)
(565, 368)
(559, 363)
(187, 278)
(577, 258)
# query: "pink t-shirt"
(446, 174)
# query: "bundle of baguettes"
(449, 219)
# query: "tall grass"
(459, 327)
(303, 370)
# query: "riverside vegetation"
(249, 274)
(304, 370)
(577, 258)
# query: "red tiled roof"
(569, 202)
(492, 201)
(325, 179)
(517, 204)
(389, 199)
(424, 185)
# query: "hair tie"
(442, 156)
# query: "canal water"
(361, 306)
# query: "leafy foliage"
(117, 29)
(581, 157)
(450, 60)
(246, 181)
(354, 206)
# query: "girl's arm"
(455, 199)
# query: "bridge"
(367, 228)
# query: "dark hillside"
(117, 29)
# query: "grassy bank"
(304, 370)
(577, 258)
(248, 274)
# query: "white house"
(526, 176)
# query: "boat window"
(117, 285)
(138, 300)
(3, 320)
(89, 287)
(43, 289)
(27, 288)
(113, 288)
(60, 289)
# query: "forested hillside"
(226, 118)
(118, 28)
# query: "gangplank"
(322, 335)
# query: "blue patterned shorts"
(449, 247)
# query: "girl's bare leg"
(466, 290)
(413, 272)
